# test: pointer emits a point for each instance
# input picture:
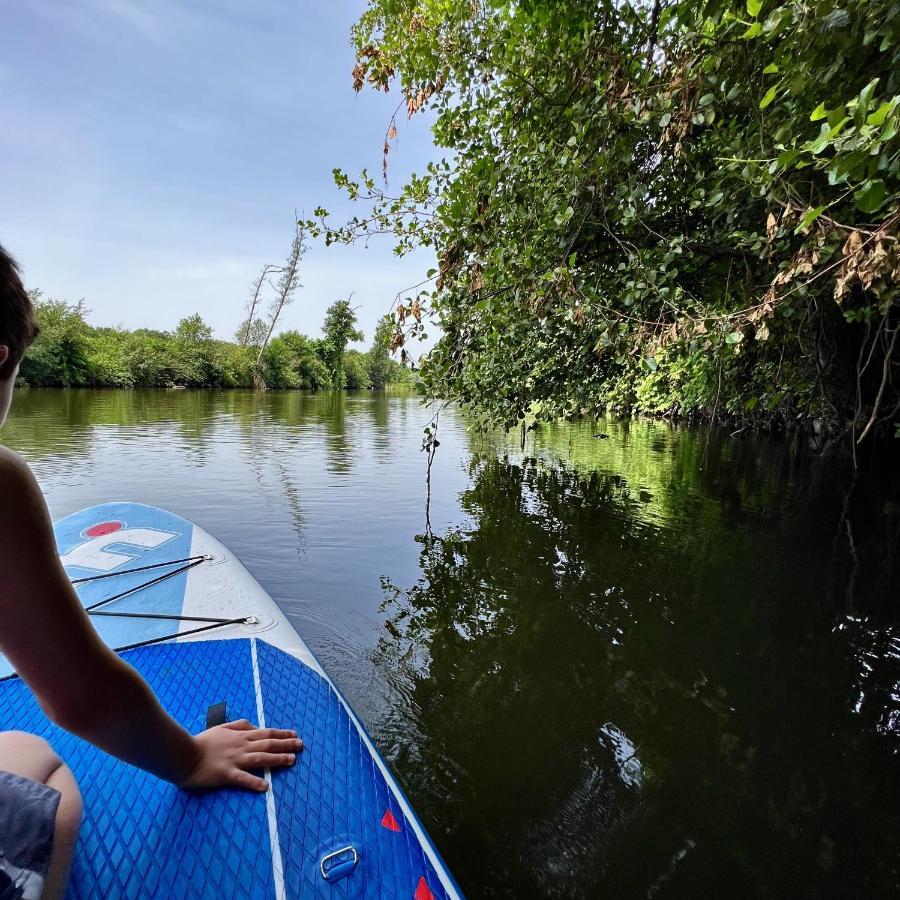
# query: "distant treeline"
(70, 353)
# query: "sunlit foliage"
(71, 353)
(669, 206)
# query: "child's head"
(18, 327)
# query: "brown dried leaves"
(359, 77)
(372, 67)
(415, 101)
(872, 264)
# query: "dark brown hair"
(18, 327)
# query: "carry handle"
(339, 864)
(217, 714)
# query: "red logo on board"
(102, 528)
(390, 822)
(423, 892)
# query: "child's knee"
(68, 816)
(28, 755)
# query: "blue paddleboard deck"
(143, 837)
(336, 824)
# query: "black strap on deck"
(183, 565)
(217, 714)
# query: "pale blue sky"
(152, 155)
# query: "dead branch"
(885, 377)
(287, 284)
(267, 270)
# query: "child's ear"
(4, 354)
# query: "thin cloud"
(100, 20)
(137, 17)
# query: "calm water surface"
(659, 663)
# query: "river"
(631, 660)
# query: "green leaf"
(809, 217)
(754, 6)
(431, 273)
(818, 113)
(786, 159)
(866, 94)
(753, 31)
(880, 114)
(821, 142)
(734, 337)
(771, 69)
(769, 96)
(871, 195)
(664, 119)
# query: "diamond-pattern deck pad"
(336, 796)
(142, 837)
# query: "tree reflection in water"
(603, 699)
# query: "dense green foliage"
(379, 363)
(657, 206)
(337, 331)
(69, 352)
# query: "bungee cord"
(209, 622)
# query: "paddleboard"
(213, 645)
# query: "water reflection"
(655, 663)
(624, 678)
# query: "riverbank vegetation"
(70, 353)
(667, 207)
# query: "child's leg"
(68, 821)
(32, 757)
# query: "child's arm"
(80, 683)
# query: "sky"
(152, 156)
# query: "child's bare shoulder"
(25, 531)
(17, 484)
(11, 464)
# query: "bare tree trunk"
(287, 284)
(267, 270)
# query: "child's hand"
(227, 751)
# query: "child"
(46, 635)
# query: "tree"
(337, 331)
(300, 356)
(378, 359)
(253, 330)
(193, 330)
(286, 286)
(59, 355)
(356, 371)
(676, 206)
(251, 334)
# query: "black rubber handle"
(217, 714)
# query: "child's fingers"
(262, 734)
(240, 725)
(242, 779)
(268, 760)
(279, 745)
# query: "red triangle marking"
(423, 892)
(388, 821)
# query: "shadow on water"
(657, 669)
